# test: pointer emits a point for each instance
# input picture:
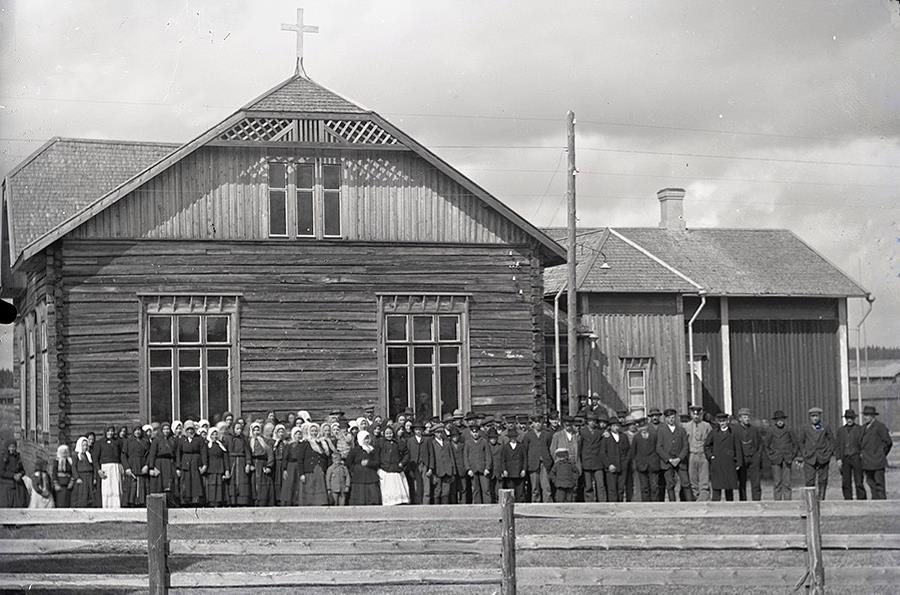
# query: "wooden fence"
(803, 517)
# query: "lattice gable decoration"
(338, 132)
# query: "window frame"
(30, 339)
(410, 307)
(21, 332)
(285, 195)
(227, 306)
(642, 366)
(319, 162)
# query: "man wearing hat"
(418, 449)
(875, 444)
(698, 467)
(513, 465)
(672, 448)
(592, 460)
(567, 438)
(655, 417)
(750, 438)
(442, 465)
(540, 461)
(782, 448)
(816, 448)
(846, 454)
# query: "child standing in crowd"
(564, 476)
(338, 480)
(63, 477)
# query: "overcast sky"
(769, 113)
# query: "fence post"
(157, 544)
(508, 542)
(814, 541)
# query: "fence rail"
(158, 547)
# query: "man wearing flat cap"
(816, 448)
(846, 454)
(782, 448)
(540, 461)
(698, 466)
(751, 441)
(875, 445)
(672, 448)
(655, 419)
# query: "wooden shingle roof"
(738, 262)
(299, 94)
(67, 175)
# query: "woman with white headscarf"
(85, 476)
(364, 462)
(63, 476)
(279, 445)
(315, 462)
(294, 453)
(216, 467)
(263, 465)
(394, 487)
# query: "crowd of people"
(591, 457)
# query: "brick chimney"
(671, 208)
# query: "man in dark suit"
(513, 465)
(672, 448)
(591, 460)
(655, 417)
(537, 448)
(616, 458)
(646, 463)
(846, 453)
(442, 464)
(816, 448)
(417, 447)
(751, 441)
(875, 444)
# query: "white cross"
(299, 29)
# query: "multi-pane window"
(31, 333)
(278, 188)
(23, 374)
(190, 343)
(637, 389)
(45, 376)
(425, 355)
(315, 211)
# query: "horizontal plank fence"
(500, 539)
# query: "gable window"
(315, 210)
(425, 353)
(190, 355)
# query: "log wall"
(307, 318)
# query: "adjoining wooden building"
(304, 253)
(771, 332)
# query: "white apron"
(394, 488)
(111, 486)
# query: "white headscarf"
(81, 447)
(314, 443)
(360, 439)
(294, 432)
(63, 456)
(305, 416)
(257, 439)
(209, 438)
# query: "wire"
(549, 184)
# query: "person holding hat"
(751, 441)
(540, 461)
(592, 460)
(188, 451)
(514, 464)
(672, 448)
(846, 455)
(725, 454)
(875, 444)
(816, 448)
(782, 447)
(698, 466)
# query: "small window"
(277, 199)
(637, 389)
(306, 183)
(331, 211)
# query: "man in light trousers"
(698, 465)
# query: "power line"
(549, 184)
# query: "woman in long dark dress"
(364, 462)
(83, 493)
(216, 468)
(723, 450)
(315, 462)
(278, 447)
(134, 459)
(241, 489)
(62, 474)
(263, 466)
(294, 453)
(187, 460)
(161, 463)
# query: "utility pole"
(572, 289)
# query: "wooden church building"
(304, 253)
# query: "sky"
(770, 114)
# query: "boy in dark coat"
(782, 449)
(846, 453)
(646, 463)
(513, 464)
(875, 445)
(816, 448)
(564, 476)
(725, 455)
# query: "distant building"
(304, 253)
(876, 371)
(770, 328)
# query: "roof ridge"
(34, 155)
(115, 141)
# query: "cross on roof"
(299, 28)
